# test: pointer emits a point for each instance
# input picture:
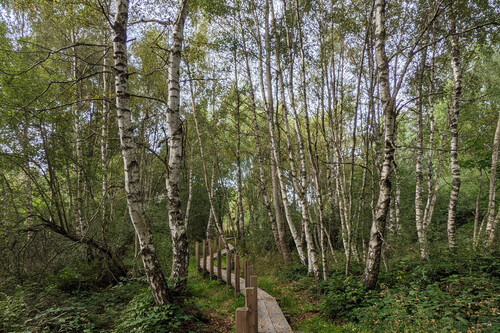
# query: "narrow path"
(271, 318)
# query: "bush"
(341, 295)
(142, 315)
(293, 272)
(457, 302)
(63, 319)
(460, 294)
(12, 310)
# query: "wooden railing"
(246, 317)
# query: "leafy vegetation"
(437, 296)
(125, 307)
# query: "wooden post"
(237, 274)
(228, 268)
(204, 250)
(219, 265)
(242, 320)
(211, 259)
(253, 284)
(245, 273)
(197, 255)
(252, 306)
(249, 273)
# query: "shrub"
(293, 272)
(12, 310)
(63, 319)
(142, 315)
(341, 296)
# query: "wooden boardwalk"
(271, 319)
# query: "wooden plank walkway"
(271, 319)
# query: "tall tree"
(178, 230)
(454, 112)
(152, 267)
(372, 265)
(490, 214)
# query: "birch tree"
(151, 264)
(372, 264)
(178, 230)
(454, 112)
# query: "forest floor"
(460, 294)
(217, 302)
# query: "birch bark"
(419, 210)
(492, 221)
(372, 265)
(178, 232)
(274, 147)
(454, 112)
(152, 267)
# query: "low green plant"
(62, 319)
(12, 310)
(440, 296)
(293, 272)
(142, 315)
(341, 295)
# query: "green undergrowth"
(459, 294)
(450, 293)
(215, 302)
(124, 307)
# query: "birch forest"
(347, 149)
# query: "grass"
(297, 292)
(216, 302)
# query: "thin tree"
(454, 112)
(372, 265)
(178, 231)
(152, 267)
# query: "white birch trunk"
(274, 146)
(419, 210)
(492, 221)
(152, 267)
(454, 112)
(78, 204)
(178, 232)
(372, 265)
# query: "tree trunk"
(81, 228)
(240, 222)
(454, 111)
(492, 221)
(433, 189)
(180, 253)
(419, 210)
(104, 141)
(372, 265)
(274, 146)
(152, 267)
(476, 211)
(209, 187)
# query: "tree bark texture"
(419, 209)
(178, 231)
(491, 224)
(372, 265)
(454, 112)
(152, 267)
